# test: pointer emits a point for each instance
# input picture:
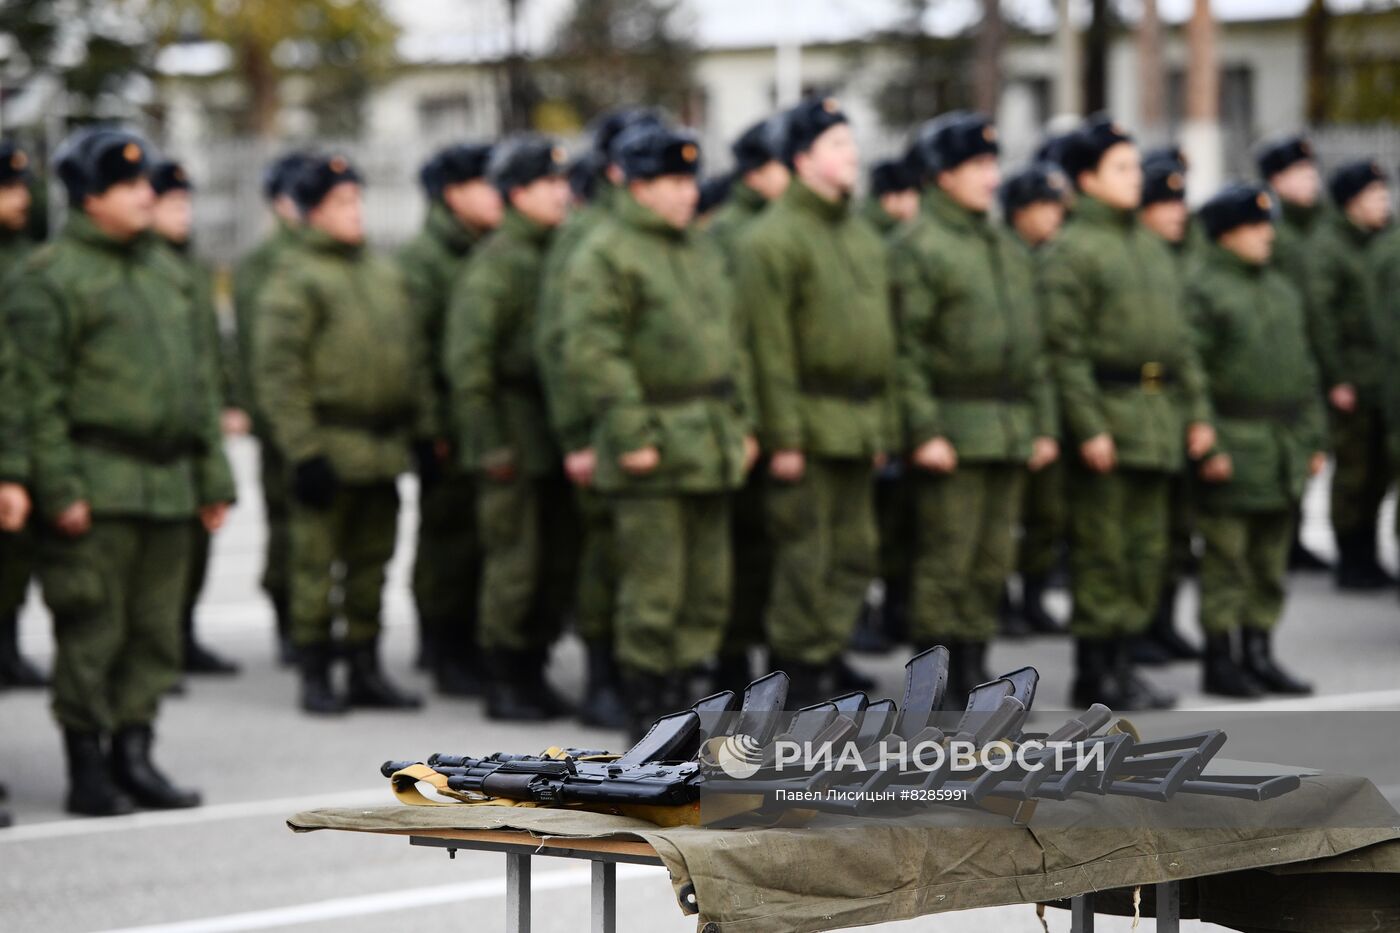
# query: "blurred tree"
(611, 53)
(1152, 73)
(991, 41)
(1316, 23)
(928, 73)
(339, 45)
(1096, 41)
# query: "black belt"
(1150, 377)
(1245, 410)
(382, 425)
(151, 451)
(967, 393)
(679, 395)
(851, 391)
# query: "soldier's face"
(769, 180)
(1370, 210)
(544, 200)
(14, 206)
(1117, 181)
(123, 210)
(1254, 243)
(1298, 184)
(833, 161)
(340, 215)
(901, 205)
(174, 215)
(671, 197)
(475, 203)
(1167, 219)
(973, 184)
(1039, 222)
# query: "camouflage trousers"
(447, 564)
(16, 566)
(1362, 472)
(529, 537)
(674, 580)
(342, 551)
(1044, 521)
(1243, 569)
(753, 566)
(116, 595)
(200, 543)
(276, 575)
(1118, 549)
(825, 555)
(595, 597)
(965, 549)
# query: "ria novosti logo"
(741, 756)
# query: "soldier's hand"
(235, 422)
(936, 456)
(1044, 451)
(787, 465)
(74, 521)
(1316, 462)
(1200, 438)
(1343, 397)
(640, 462)
(750, 452)
(879, 459)
(14, 506)
(1218, 469)
(1099, 453)
(502, 472)
(579, 466)
(213, 516)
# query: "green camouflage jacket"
(339, 361)
(432, 264)
(1343, 300)
(972, 362)
(1252, 332)
(488, 354)
(814, 286)
(1121, 350)
(250, 276)
(121, 378)
(734, 217)
(652, 348)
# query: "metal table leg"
(1081, 912)
(604, 909)
(517, 893)
(1168, 907)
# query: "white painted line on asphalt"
(281, 806)
(384, 903)
(1372, 699)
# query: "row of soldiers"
(667, 433)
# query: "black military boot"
(648, 697)
(869, 636)
(136, 774)
(1137, 692)
(1093, 683)
(1222, 673)
(1259, 661)
(1161, 644)
(807, 683)
(199, 659)
(1040, 621)
(537, 660)
(733, 671)
(317, 693)
(286, 648)
(1011, 618)
(511, 691)
(603, 705)
(454, 662)
(369, 687)
(1301, 559)
(91, 790)
(15, 671)
(1357, 568)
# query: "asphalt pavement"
(233, 865)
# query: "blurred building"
(448, 85)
